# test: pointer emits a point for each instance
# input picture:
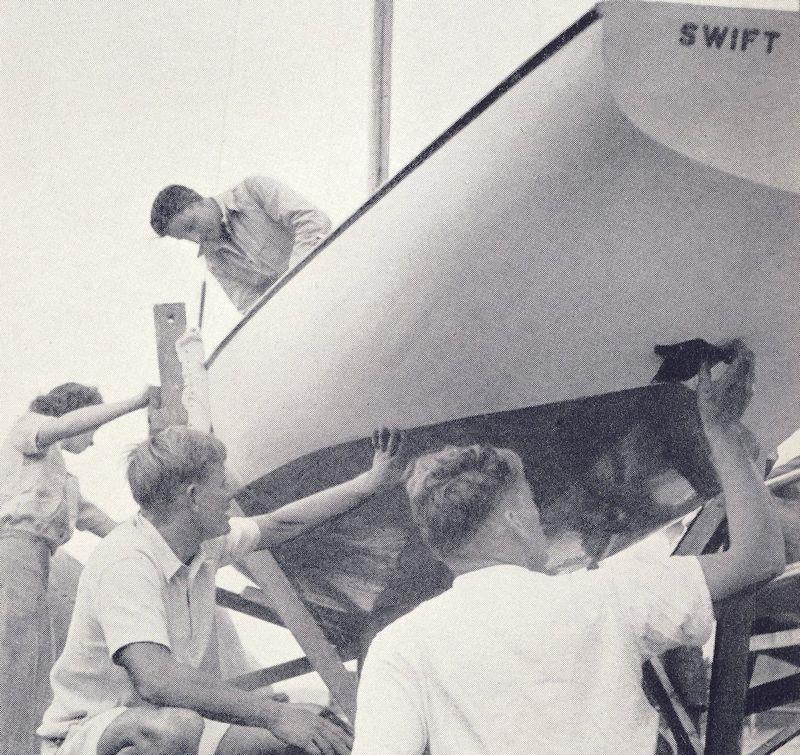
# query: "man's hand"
(387, 469)
(146, 397)
(303, 726)
(722, 402)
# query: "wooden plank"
(779, 740)
(264, 570)
(730, 676)
(705, 530)
(241, 604)
(170, 324)
(773, 694)
(671, 708)
(788, 638)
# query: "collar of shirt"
(227, 205)
(164, 555)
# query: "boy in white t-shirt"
(513, 661)
(134, 677)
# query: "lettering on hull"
(718, 37)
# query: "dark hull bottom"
(618, 465)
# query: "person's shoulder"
(258, 183)
(648, 572)
(638, 561)
(420, 621)
(252, 190)
(398, 637)
(122, 545)
(23, 434)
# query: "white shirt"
(514, 662)
(38, 496)
(135, 589)
(265, 223)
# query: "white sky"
(105, 103)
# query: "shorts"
(82, 738)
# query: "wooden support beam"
(705, 531)
(672, 709)
(170, 323)
(264, 570)
(730, 676)
(241, 604)
(779, 740)
(677, 679)
(787, 638)
(773, 694)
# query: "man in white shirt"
(137, 675)
(246, 235)
(512, 661)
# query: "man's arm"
(285, 206)
(756, 552)
(164, 682)
(92, 518)
(131, 613)
(300, 516)
(88, 418)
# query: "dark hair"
(66, 398)
(175, 457)
(453, 491)
(168, 204)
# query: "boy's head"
(66, 398)
(471, 498)
(182, 213)
(182, 471)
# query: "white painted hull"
(543, 250)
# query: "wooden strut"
(264, 570)
(170, 324)
(704, 535)
(730, 676)
(672, 709)
(730, 698)
(778, 740)
(283, 602)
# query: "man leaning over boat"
(133, 677)
(247, 236)
(511, 660)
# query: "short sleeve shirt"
(512, 661)
(134, 589)
(38, 495)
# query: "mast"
(381, 94)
